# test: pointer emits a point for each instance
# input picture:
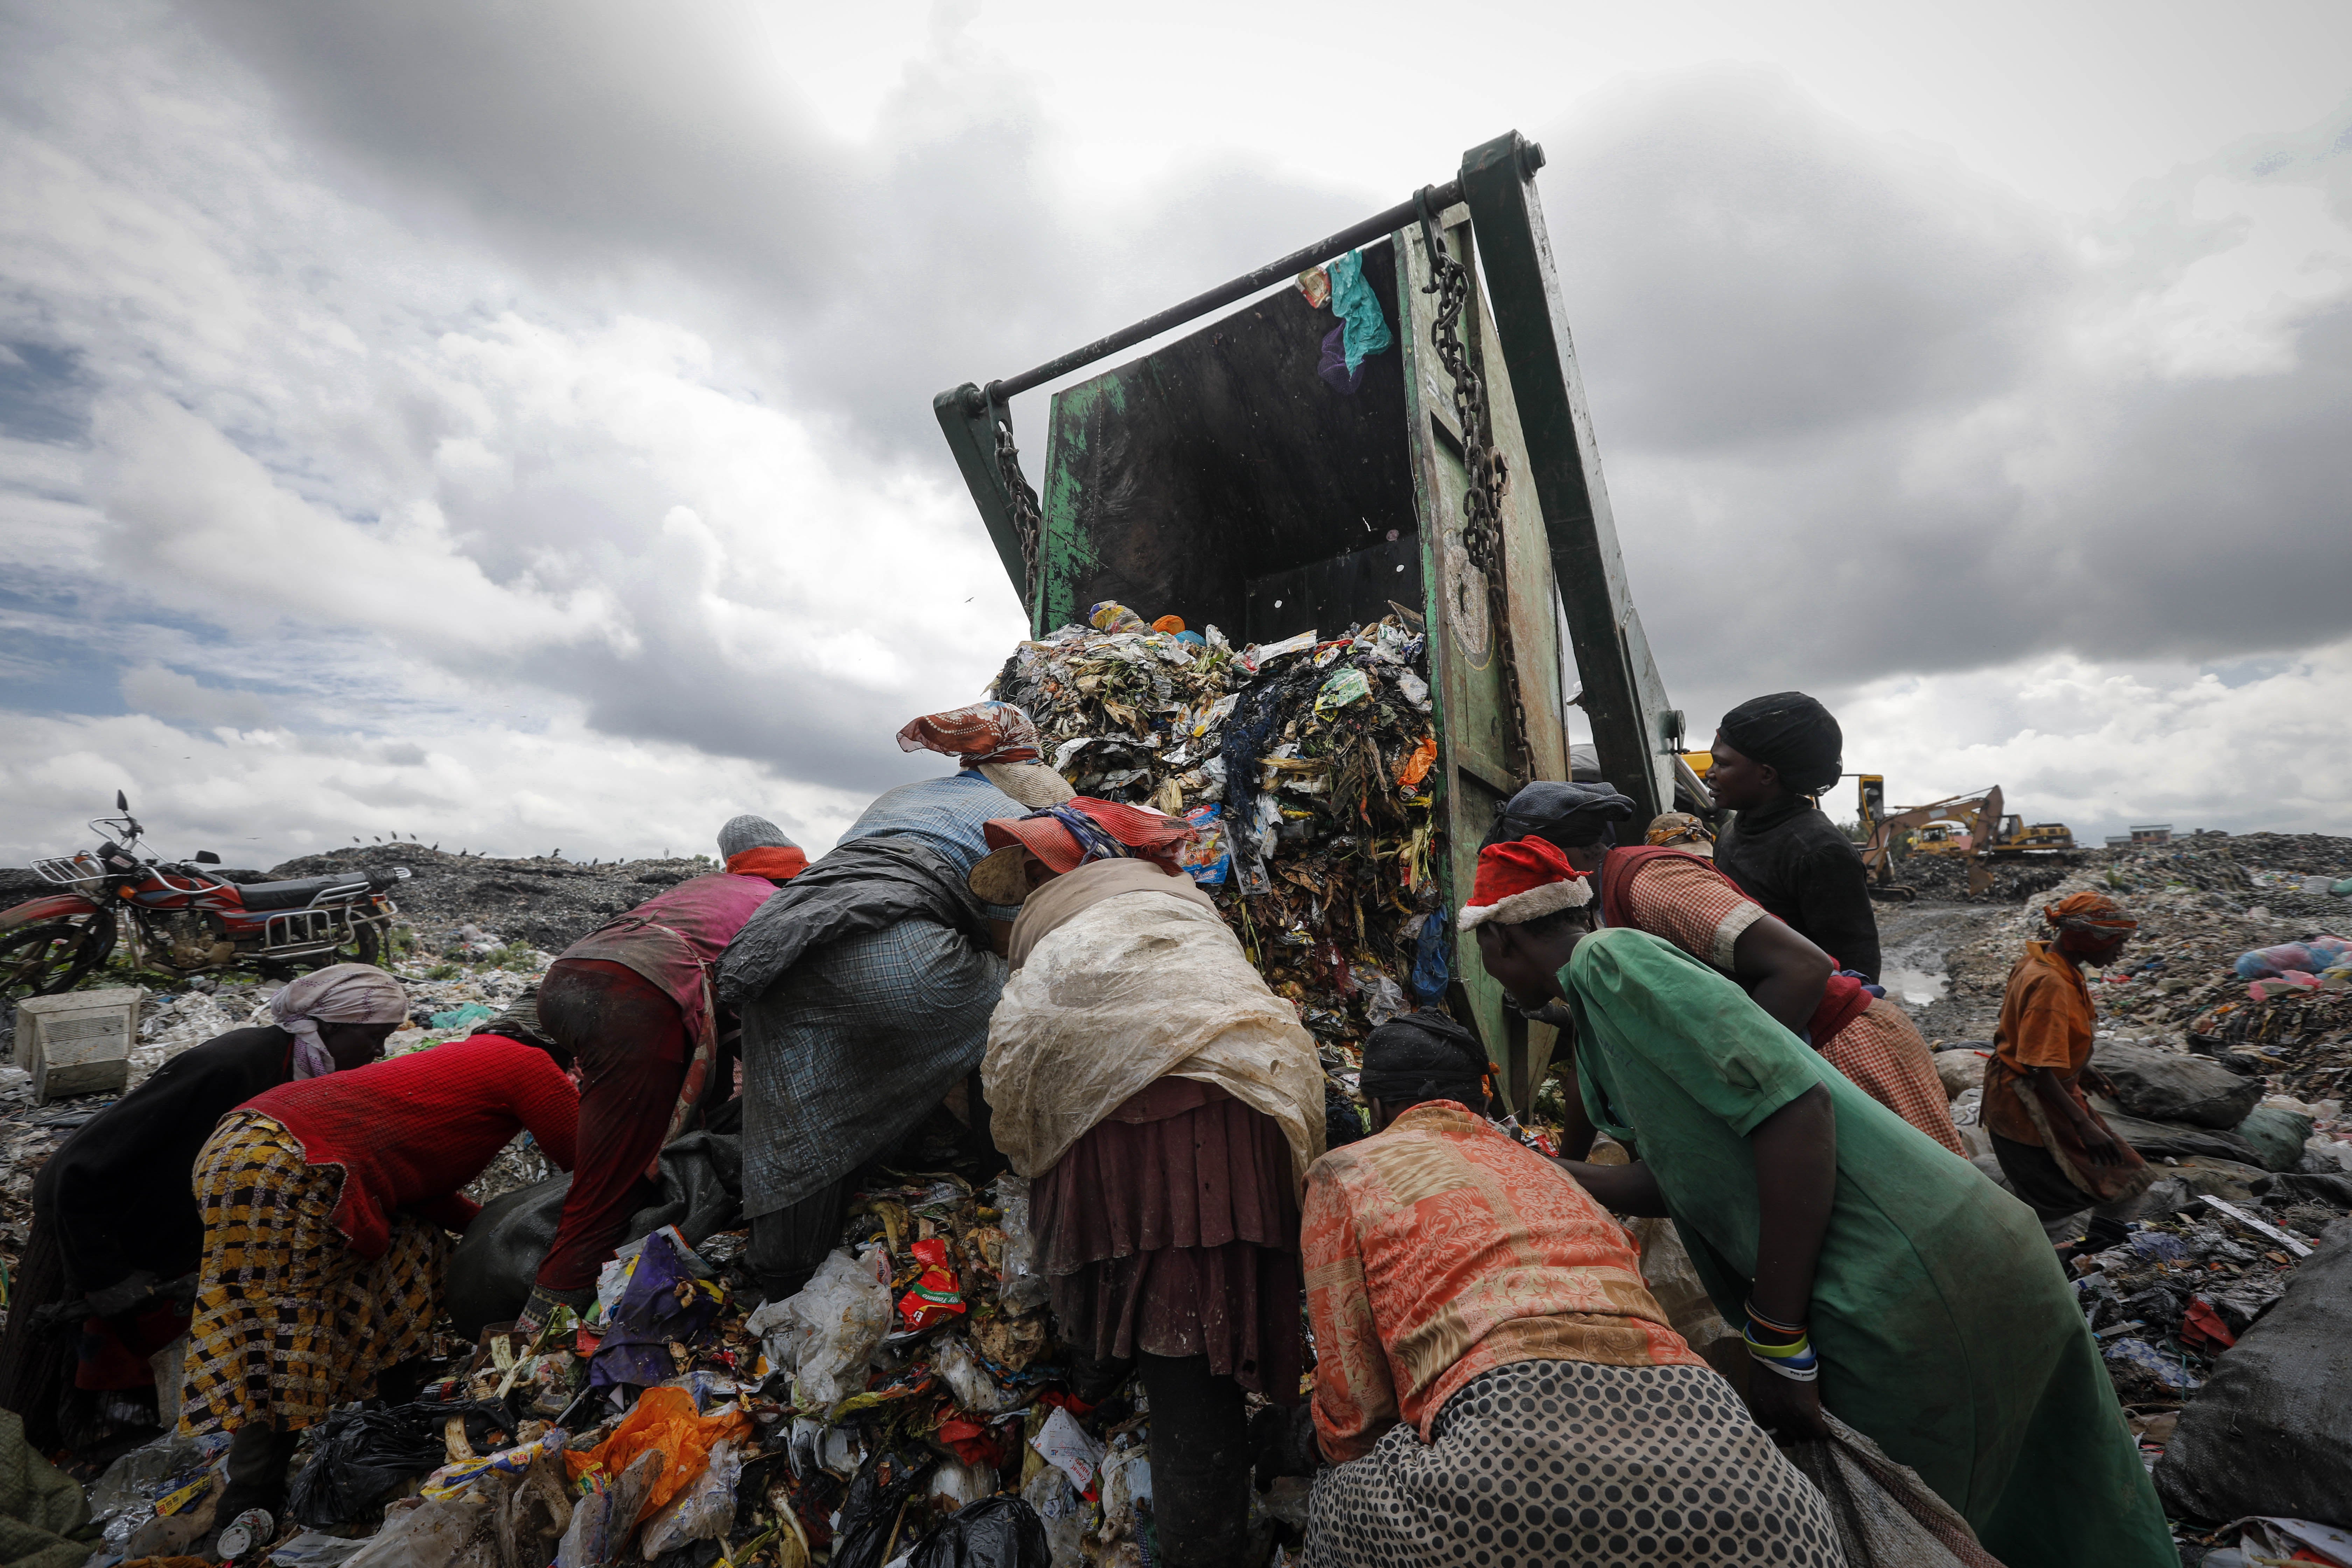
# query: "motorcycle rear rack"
(70, 870)
(296, 933)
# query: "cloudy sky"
(509, 424)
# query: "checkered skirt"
(290, 1321)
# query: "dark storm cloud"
(661, 150)
(1849, 434)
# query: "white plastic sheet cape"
(1137, 988)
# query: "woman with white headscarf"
(115, 1226)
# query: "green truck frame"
(1219, 478)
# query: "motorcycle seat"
(295, 894)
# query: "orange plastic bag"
(664, 1422)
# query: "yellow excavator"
(1969, 828)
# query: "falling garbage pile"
(908, 1405)
(1307, 766)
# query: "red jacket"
(412, 1132)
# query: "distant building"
(2119, 840)
(2151, 833)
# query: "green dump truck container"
(1220, 477)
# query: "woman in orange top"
(2056, 1151)
(1490, 1363)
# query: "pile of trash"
(1307, 766)
(908, 1406)
(2231, 1083)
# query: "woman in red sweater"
(325, 1207)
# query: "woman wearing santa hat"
(1880, 1279)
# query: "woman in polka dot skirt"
(1494, 1384)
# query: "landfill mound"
(1305, 763)
(1945, 878)
(2230, 1066)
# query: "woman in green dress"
(1878, 1276)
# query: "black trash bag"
(360, 1456)
(490, 1276)
(994, 1532)
(2270, 1432)
(870, 1516)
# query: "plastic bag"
(1023, 1286)
(315, 1549)
(1050, 1496)
(870, 1516)
(1062, 1443)
(666, 1301)
(825, 1335)
(1884, 1514)
(960, 1483)
(703, 1511)
(1348, 686)
(974, 1389)
(665, 1426)
(606, 1516)
(446, 1533)
(1169, 982)
(358, 1456)
(533, 1515)
(1000, 1533)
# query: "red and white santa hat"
(1523, 880)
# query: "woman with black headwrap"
(1681, 897)
(1771, 755)
(1482, 1332)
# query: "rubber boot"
(1200, 1463)
(258, 1456)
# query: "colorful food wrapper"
(1207, 858)
(936, 1296)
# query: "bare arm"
(1621, 1189)
(1796, 1183)
(1784, 972)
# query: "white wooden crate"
(78, 1043)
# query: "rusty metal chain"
(1486, 468)
(1026, 518)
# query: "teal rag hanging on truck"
(1359, 309)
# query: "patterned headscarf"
(983, 732)
(340, 994)
(1084, 830)
(2093, 913)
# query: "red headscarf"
(983, 732)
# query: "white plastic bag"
(705, 1510)
(1022, 1287)
(974, 1389)
(825, 1335)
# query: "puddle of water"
(1917, 986)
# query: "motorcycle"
(182, 920)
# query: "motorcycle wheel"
(43, 960)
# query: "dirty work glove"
(543, 1302)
